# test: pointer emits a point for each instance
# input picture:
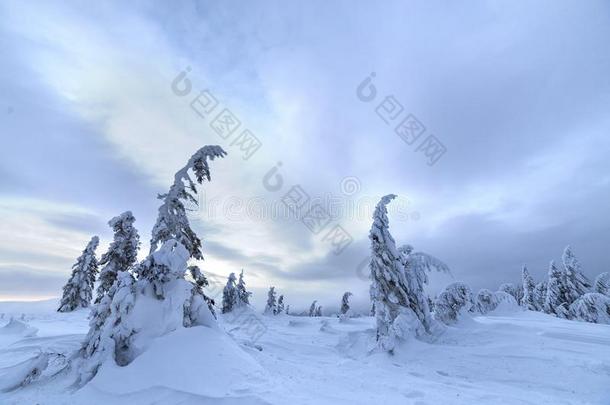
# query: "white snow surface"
(505, 357)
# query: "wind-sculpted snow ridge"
(511, 358)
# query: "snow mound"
(15, 327)
(199, 360)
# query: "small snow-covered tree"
(540, 295)
(122, 253)
(602, 284)
(486, 301)
(280, 305)
(110, 331)
(454, 301)
(271, 307)
(229, 295)
(197, 294)
(509, 288)
(312, 309)
(345, 303)
(576, 282)
(528, 300)
(242, 294)
(556, 301)
(318, 311)
(591, 307)
(79, 288)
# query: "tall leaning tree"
(78, 290)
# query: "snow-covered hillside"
(517, 357)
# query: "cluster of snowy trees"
(403, 310)
(163, 281)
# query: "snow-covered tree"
(576, 282)
(602, 284)
(172, 221)
(509, 288)
(242, 294)
(556, 301)
(312, 309)
(176, 301)
(229, 295)
(591, 307)
(197, 293)
(345, 303)
(540, 295)
(271, 307)
(486, 301)
(110, 330)
(318, 311)
(454, 301)
(122, 253)
(280, 305)
(415, 266)
(397, 279)
(528, 300)
(79, 288)
(287, 309)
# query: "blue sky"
(517, 93)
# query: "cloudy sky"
(517, 93)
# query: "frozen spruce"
(318, 311)
(455, 301)
(576, 282)
(122, 253)
(415, 266)
(243, 295)
(602, 284)
(591, 307)
(78, 290)
(345, 303)
(528, 300)
(486, 301)
(540, 295)
(110, 331)
(397, 278)
(200, 281)
(172, 221)
(280, 305)
(312, 309)
(229, 295)
(556, 301)
(271, 307)
(509, 288)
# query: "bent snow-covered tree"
(576, 282)
(591, 307)
(556, 301)
(345, 303)
(528, 300)
(243, 296)
(229, 295)
(170, 300)
(271, 307)
(122, 253)
(453, 302)
(602, 284)
(79, 288)
(397, 278)
(172, 221)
